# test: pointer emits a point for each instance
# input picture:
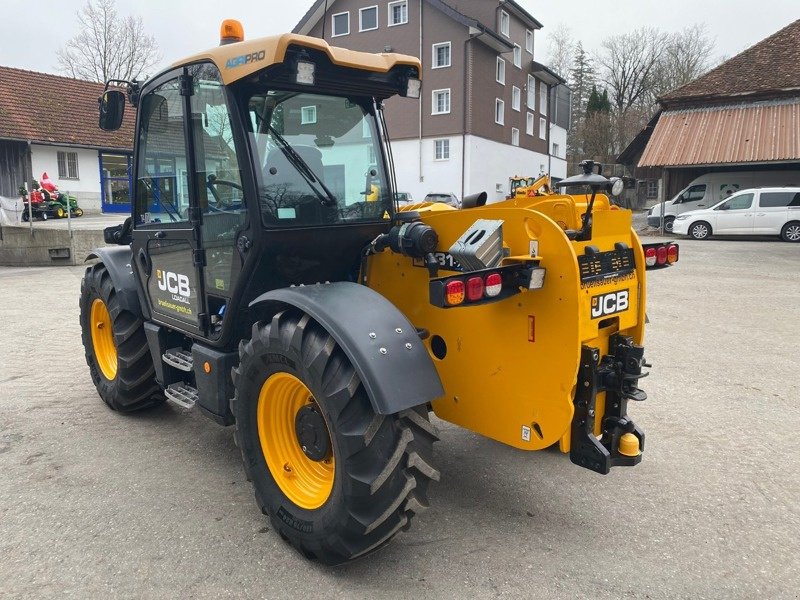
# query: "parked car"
(764, 211)
(449, 199)
(404, 198)
(712, 188)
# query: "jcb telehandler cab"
(259, 281)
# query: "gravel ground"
(94, 504)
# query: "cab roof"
(240, 59)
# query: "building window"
(441, 149)
(500, 73)
(368, 18)
(652, 189)
(308, 115)
(441, 102)
(529, 124)
(543, 98)
(340, 24)
(529, 41)
(531, 92)
(514, 136)
(67, 165)
(398, 13)
(499, 111)
(441, 55)
(517, 56)
(516, 95)
(504, 23)
(556, 150)
(542, 128)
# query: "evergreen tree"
(594, 103)
(581, 79)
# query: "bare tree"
(686, 57)
(629, 64)
(560, 49)
(108, 46)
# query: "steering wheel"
(211, 184)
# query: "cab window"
(694, 193)
(319, 159)
(162, 187)
(739, 202)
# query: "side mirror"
(112, 109)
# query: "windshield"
(319, 159)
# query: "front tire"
(669, 222)
(116, 348)
(791, 232)
(346, 490)
(700, 230)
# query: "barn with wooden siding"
(743, 115)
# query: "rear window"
(778, 199)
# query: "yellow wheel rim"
(105, 350)
(306, 482)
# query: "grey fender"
(117, 260)
(394, 368)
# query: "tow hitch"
(617, 375)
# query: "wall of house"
(491, 164)
(86, 188)
(437, 175)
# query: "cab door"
(735, 216)
(167, 251)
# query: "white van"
(763, 211)
(711, 188)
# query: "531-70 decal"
(611, 303)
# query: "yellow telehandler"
(257, 280)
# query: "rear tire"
(700, 230)
(60, 213)
(381, 463)
(791, 232)
(128, 383)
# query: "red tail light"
(661, 253)
(494, 285)
(474, 288)
(672, 253)
(454, 292)
(650, 257)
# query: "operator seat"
(286, 187)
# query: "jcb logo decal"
(174, 283)
(609, 304)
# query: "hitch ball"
(629, 445)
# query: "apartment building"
(488, 110)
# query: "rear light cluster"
(472, 289)
(662, 255)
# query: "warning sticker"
(526, 433)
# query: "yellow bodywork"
(241, 59)
(514, 363)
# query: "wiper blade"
(328, 199)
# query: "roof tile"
(51, 109)
(772, 65)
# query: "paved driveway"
(93, 504)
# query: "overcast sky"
(32, 30)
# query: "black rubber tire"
(25, 215)
(383, 462)
(696, 230)
(43, 215)
(134, 387)
(789, 232)
(668, 224)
